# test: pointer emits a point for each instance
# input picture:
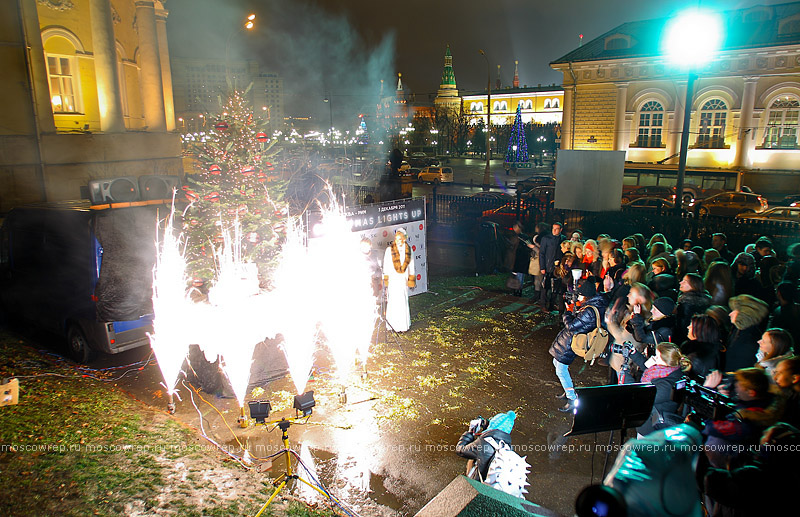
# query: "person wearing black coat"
(549, 253)
(747, 315)
(664, 284)
(522, 256)
(473, 444)
(693, 300)
(664, 374)
(581, 322)
(660, 327)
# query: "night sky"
(342, 48)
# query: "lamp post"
(327, 100)
(248, 25)
(692, 38)
(486, 171)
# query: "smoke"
(320, 55)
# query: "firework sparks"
(171, 304)
(348, 311)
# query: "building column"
(38, 68)
(166, 71)
(676, 128)
(566, 117)
(620, 141)
(746, 134)
(150, 79)
(104, 49)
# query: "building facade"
(200, 83)
(620, 93)
(88, 95)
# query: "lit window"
(651, 122)
(782, 124)
(62, 84)
(712, 125)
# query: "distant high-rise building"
(199, 84)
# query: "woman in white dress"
(398, 277)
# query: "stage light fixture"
(259, 410)
(303, 403)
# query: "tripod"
(284, 478)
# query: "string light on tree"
(234, 183)
(517, 151)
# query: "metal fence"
(466, 212)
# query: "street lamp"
(692, 39)
(486, 172)
(330, 112)
(248, 25)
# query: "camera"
(625, 349)
(705, 403)
(478, 425)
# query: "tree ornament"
(221, 126)
(248, 170)
(215, 169)
(261, 137)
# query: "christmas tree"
(517, 145)
(234, 183)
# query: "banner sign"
(379, 222)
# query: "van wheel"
(436, 181)
(702, 211)
(77, 346)
(625, 201)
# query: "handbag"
(513, 283)
(593, 343)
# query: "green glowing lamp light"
(692, 37)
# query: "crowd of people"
(728, 321)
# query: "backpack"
(508, 471)
(592, 344)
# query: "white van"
(436, 175)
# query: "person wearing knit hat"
(473, 443)
(744, 271)
(659, 327)
(747, 314)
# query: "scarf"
(657, 371)
(400, 268)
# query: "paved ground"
(472, 350)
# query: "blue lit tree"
(517, 145)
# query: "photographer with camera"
(582, 322)
(474, 444)
(728, 437)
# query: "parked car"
(790, 200)
(789, 214)
(506, 215)
(690, 193)
(436, 175)
(650, 191)
(541, 194)
(535, 181)
(476, 204)
(729, 204)
(649, 204)
(412, 172)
